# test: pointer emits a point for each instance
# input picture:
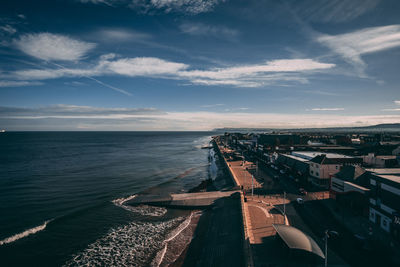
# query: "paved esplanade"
(261, 211)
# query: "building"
(385, 200)
(371, 160)
(297, 167)
(350, 188)
(324, 165)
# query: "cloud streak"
(200, 29)
(327, 109)
(256, 75)
(94, 118)
(333, 11)
(351, 46)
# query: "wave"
(133, 244)
(180, 245)
(25, 233)
(121, 201)
(143, 210)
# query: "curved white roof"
(296, 239)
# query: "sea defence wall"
(184, 201)
(249, 262)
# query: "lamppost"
(328, 234)
(284, 205)
(252, 185)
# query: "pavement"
(262, 209)
(218, 239)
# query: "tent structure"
(296, 239)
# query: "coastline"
(202, 237)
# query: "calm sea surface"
(62, 194)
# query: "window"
(317, 173)
(337, 167)
(384, 223)
(312, 172)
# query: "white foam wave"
(121, 201)
(25, 233)
(146, 210)
(176, 234)
(134, 244)
(143, 210)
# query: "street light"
(328, 234)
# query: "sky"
(177, 65)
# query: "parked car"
(302, 191)
(300, 201)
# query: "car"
(300, 201)
(302, 191)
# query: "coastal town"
(316, 198)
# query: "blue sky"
(198, 64)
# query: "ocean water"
(62, 196)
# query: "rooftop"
(385, 171)
(312, 154)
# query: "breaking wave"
(25, 233)
(134, 244)
(143, 210)
(176, 239)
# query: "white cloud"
(48, 46)
(200, 29)
(335, 11)
(397, 102)
(143, 66)
(351, 46)
(152, 119)
(212, 105)
(391, 109)
(184, 6)
(327, 109)
(258, 75)
(106, 2)
(120, 35)
(18, 83)
(8, 29)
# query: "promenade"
(261, 210)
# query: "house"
(386, 161)
(385, 200)
(324, 165)
(350, 188)
(297, 167)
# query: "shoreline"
(204, 218)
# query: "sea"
(63, 196)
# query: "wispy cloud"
(18, 83)
(48, 46)
(8, 29)
(396, 102)
(351, 46)
(74, 111)
(181, 6)
(327, 109)
(191, 7)
(143, 66)
(333, 11)
(200, 29)
(257, 75)
(105, 2)
(120, 35)
(94, 118)
(212, 105)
